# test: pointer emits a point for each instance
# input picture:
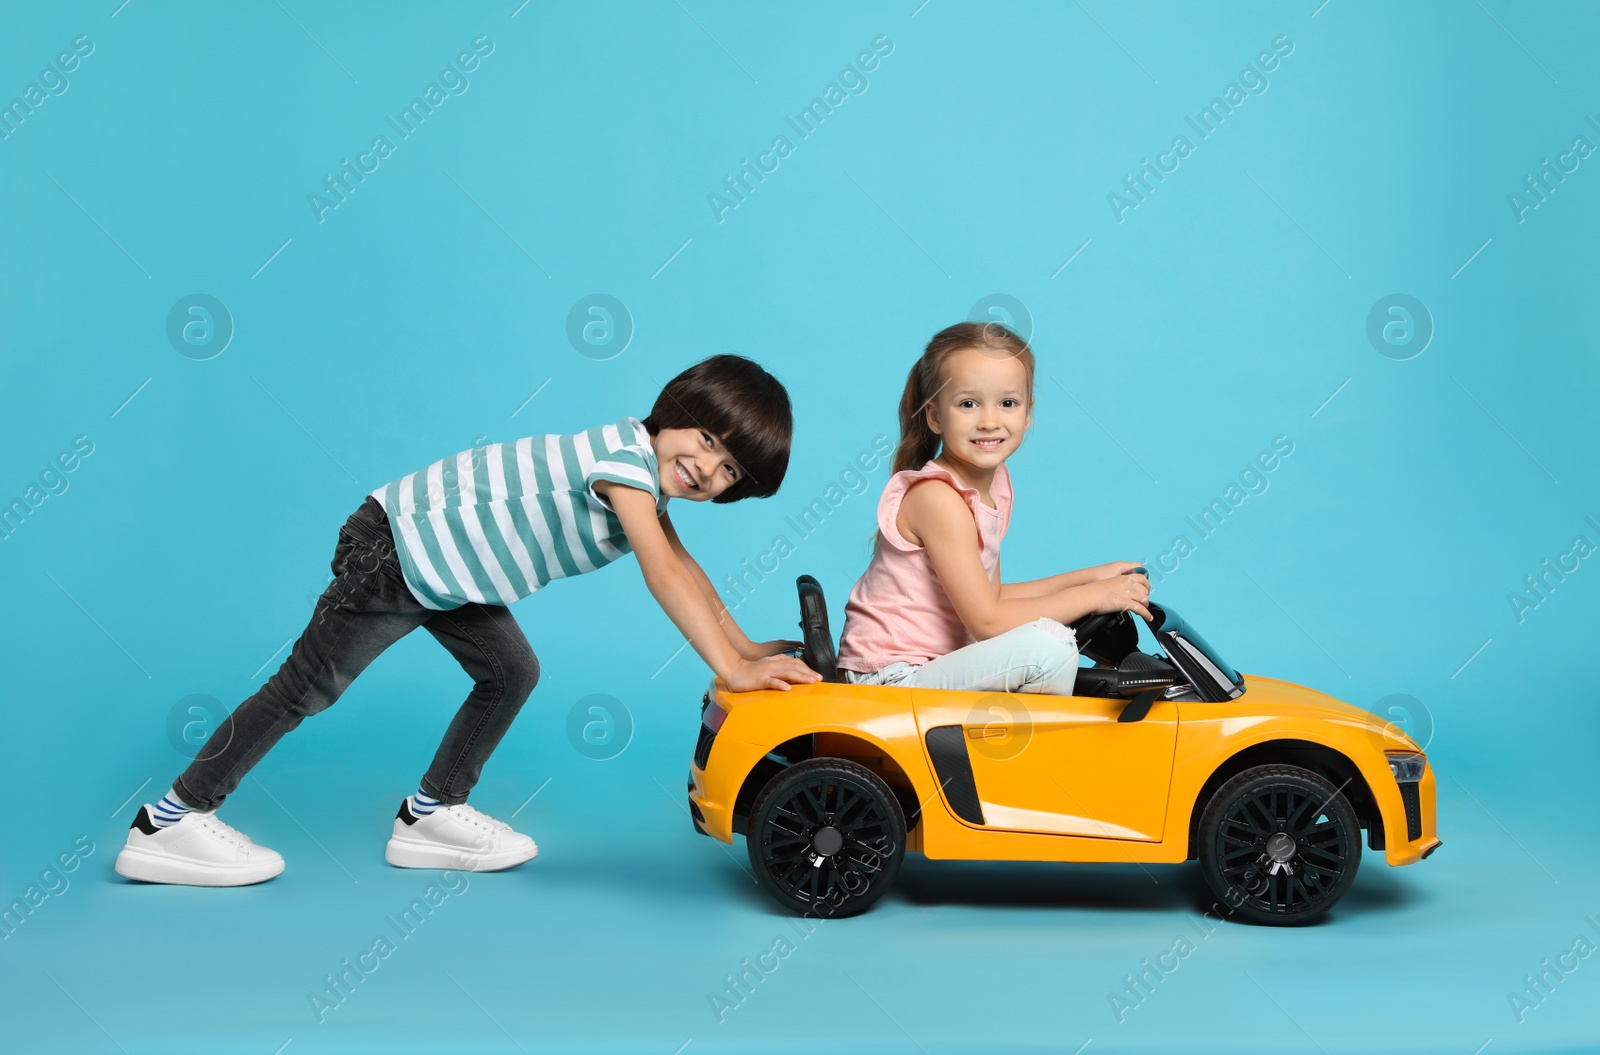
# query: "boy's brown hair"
(744, 407)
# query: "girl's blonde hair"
(918, 442)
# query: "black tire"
(826, 838)
(1279, 845)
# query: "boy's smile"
(693, 464)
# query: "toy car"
(1154, 759)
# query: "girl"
(931, 611)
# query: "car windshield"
(1193, 637)
(1173, 623)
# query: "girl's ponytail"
(918, 442)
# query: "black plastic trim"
(947, 749)
(1095, 681)
(1411, 796)
(1139, 671)
(702, 747)
(1139, 706)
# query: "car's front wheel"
(826, 837)
(1279, 845)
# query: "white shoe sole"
(160, 868)
(413, 853)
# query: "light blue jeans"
(1041, 656)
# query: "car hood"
(1271, 697)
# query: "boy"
(447, 548)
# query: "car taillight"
(713, 716)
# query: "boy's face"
(693, 464)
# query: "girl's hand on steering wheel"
(1128, 592)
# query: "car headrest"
(818, 653)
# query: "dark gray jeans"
(364, 610)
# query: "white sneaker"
(456, 837)
(197, 850)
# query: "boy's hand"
(773, 672)
(1116, 567)
(762, 649)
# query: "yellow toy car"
(1156, 759)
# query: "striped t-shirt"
(493, 524)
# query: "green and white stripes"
(493, 524)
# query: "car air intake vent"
(1412, 797)
(947, 749)
(702, 747)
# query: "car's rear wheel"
(826, 837)
(1279, 844)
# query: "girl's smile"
(980, 413)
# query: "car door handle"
(990, 731)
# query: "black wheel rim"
(818, 815)
(1284, 848)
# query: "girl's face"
(983, 408)
(693, 464)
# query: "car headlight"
(1407, 768)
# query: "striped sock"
(423, 804)
(169, 810)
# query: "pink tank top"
(898, 611)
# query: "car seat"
(816, 637)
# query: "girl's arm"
(675, 589)
(742, 644)
(1066, 580)
(937, 518)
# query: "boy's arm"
(736, 635)
(675, 589)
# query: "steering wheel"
(1108, 637)
(1097, 624)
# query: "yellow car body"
(1157, 757)
(1059, 778)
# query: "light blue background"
(1227, 309)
